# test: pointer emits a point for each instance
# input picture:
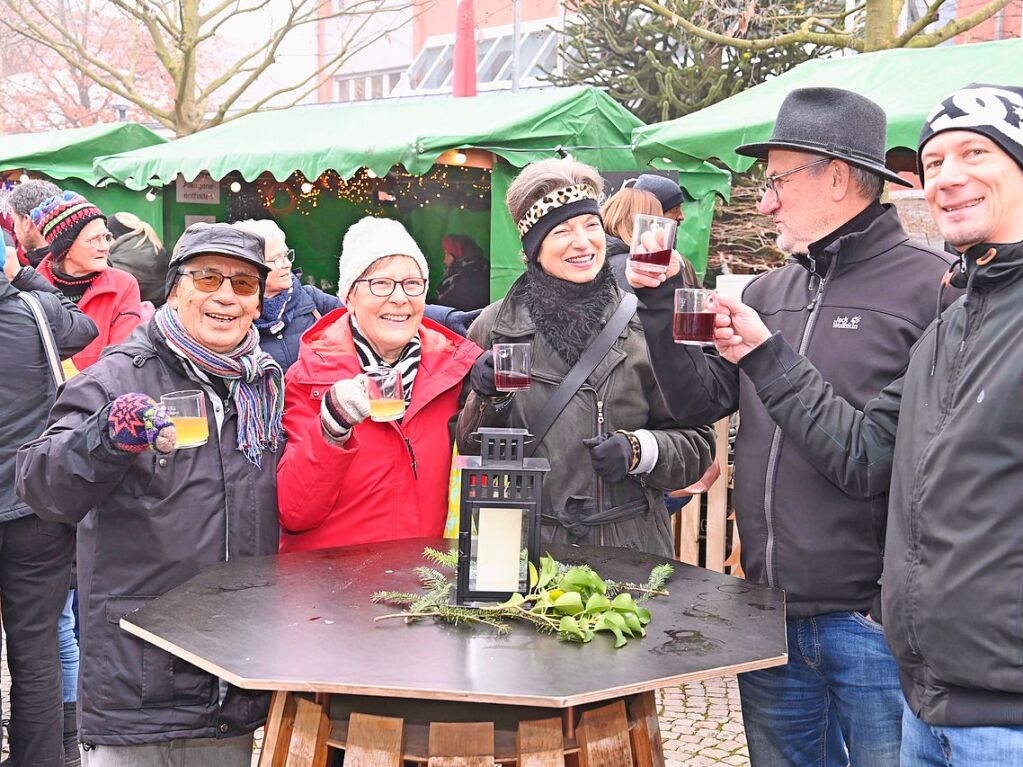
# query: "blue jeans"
(68, 650)
(925, 745)
(836, 702)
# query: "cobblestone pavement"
(701, 723)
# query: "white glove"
(344, 405)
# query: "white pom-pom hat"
(367, 241)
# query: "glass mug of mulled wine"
(386, 394)
(512, 363)
(695, 312)
(653, 240)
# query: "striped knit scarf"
(407, 363)
(255, 382)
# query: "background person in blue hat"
(855, 297)
(944, 440)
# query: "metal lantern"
(499, 520)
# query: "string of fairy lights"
(464, 188)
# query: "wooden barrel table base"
(619, 733)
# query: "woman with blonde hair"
(137, 250)
(613, 447)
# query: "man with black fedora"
(944, 440)
(854, 297)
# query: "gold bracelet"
(637, 448)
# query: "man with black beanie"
(946, 437)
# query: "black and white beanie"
(995, 111)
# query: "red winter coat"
(371, 489)
(112, 301)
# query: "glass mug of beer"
(187, 409)
(511, 367)
(653, 239)
(386, 394)
(693, 321)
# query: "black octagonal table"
(304, 623)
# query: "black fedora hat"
(831, 122)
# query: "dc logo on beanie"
(998, 109)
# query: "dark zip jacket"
(949, 436)
(146, 524)
(28, 386)
(855, 308)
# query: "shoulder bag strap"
(591, 357)
(49, 344)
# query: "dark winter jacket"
(619, 394)
(466, 284)
(147, 523)
(136, 254)
(855, 310)
(28, 387)
(308, 303)
(949, 435)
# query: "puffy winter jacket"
(619, 394)
(114, 304)
(855, 309)
(29, 387)
(147, 523)
(949, 435)
(390, 480)
(137, 255)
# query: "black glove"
(459, 321)
(481, 377)
(611, 455)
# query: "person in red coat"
(78, 265)
(345, 479)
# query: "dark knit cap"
(667, 192)
(995, 111)
(117, 227)
(61, 218)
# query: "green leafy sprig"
(573, 602)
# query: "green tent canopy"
(907, 83)
(518, 128)
(70, 153)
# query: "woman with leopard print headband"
(614, 447)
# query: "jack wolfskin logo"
(847, 323)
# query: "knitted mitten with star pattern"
(137, 423)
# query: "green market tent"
(517, 128)
(907, 83)
(67, 156)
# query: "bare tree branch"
(958, 26)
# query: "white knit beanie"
(369, 240)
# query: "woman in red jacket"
(78, 265)
(345, 479)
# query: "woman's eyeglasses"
(209, 281)
(382, 287)
(94, 242)
(283, 260)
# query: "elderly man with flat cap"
(150, 517)
(855, 296)
(945, 439)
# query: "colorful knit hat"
(61, 218)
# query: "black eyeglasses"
(771, 182)
(382, 287)
(284, 259)
(209, 281)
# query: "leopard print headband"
(556, 199)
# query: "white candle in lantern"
(498, 546)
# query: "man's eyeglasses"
(94, 242)
(283, 260)
(771, 183)
(382, 287)
(209, 281)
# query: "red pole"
(464, 68)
